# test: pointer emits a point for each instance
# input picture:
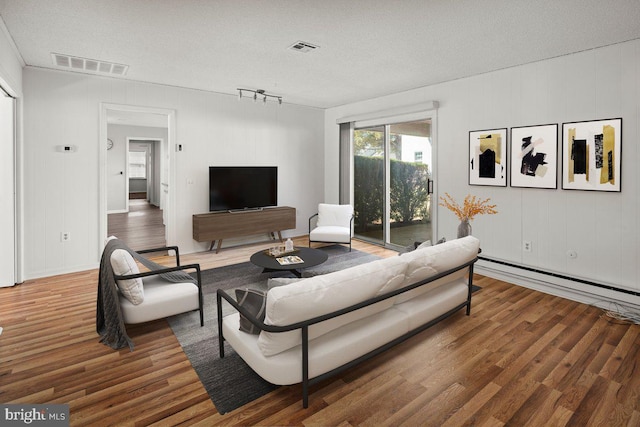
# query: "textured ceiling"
(367, 48)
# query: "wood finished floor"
(140, 228)
(521, 358)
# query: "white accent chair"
(334, 224)
(161, 298)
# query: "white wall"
(603, 228)
(214, 129)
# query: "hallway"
(140, 228)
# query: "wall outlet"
(526, 246)
(65, 236)
(572, 254)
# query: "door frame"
(151, 145)
(11, 213)
(170, 212)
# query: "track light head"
(260, 92)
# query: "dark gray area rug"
(230, 382)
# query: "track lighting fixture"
(260, 92)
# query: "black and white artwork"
(534, 156)
(487, 157)
(591, 155)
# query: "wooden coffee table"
(310, 256)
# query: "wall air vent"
(303, 47)
(93, 66)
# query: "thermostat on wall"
(66, 148)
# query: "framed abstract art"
(488, 157)
(534, 156)
(591, 155)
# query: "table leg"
(296, 273)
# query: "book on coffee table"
(288, 260)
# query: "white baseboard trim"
(575, 291)
(58, 271)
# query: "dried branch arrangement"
(471, 207)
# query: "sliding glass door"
(369, 183)
(392, 173)
(410, 170)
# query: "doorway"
(120, 127)
(141, 224)
(142, 182)
(393, 169)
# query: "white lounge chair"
(334, 224)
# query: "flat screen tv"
(242, 187)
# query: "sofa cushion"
(339, 215)
(123, 264)
(429, 261)
(330, 233)
(161, 299)
(424, 244)
(327, 293)
(274, 282)
(327, 352)
(415, 246)
(253, 301)
(428, 306)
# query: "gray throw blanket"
(109, 321)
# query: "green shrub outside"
(409, 191)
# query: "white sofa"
(318, 326)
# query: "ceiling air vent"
(93, 66)
(303, 47)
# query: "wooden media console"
(215, 226)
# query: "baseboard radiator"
(561, 276)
